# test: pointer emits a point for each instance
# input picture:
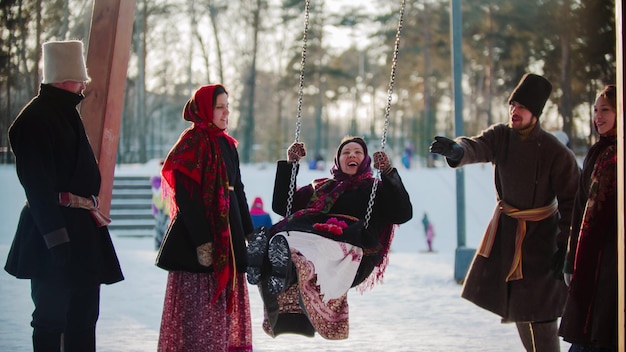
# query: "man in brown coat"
(517, 270)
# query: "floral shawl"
(600, 213)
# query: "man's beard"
(520, 126)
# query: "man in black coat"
(62, 243)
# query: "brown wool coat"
(528, 174)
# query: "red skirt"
(190, 323)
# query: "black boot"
(257, 251)
(46, 341)
(280, 258)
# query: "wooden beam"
(107, 63)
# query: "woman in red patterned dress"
(206, 304)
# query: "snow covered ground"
(418, 308)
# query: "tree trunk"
(565, 107)
(249, 89)
(428, 124)
(213, 13)
(141, 84)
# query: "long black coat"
(590, 318)
(53, 155)
(529, 173)
(192, 225)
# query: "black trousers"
(67, 314)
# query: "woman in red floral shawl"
(590, 318)
(206, 304)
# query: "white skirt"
(335, 263)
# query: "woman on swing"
(306, 263)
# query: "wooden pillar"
(107, 63)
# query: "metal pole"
(463, 255)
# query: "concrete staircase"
(131, 207)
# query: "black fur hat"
(532, 91)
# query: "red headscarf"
(196, 155)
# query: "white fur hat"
(63, 61)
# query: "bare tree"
(215, 8)
(249, 80)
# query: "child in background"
(159, 210)
(430, 234)
(259, 216)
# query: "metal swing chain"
(383, 140)
(294, 166)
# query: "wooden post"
(621, 215)
(107, 63)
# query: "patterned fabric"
(590, 316)
(70, 200)
(287, 302)
(192, 323)
(197, 156)
(330, 319)
(334, 264)
(600, 210)
(515, 273)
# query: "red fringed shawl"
(196, 155)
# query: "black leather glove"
(61, 255)
(558, 261)
(447, 147)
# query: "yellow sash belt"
(537, 214)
